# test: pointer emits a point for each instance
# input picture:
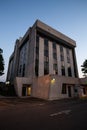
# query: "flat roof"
(54, 32)
(49, 31)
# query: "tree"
(1, 62)
(84, 68)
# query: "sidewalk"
(7, 96)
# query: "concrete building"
(44, 64)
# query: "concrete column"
(50, 58)
(71, 63)
(75, 63)
(41, 57)
(65, 61)
(58, 59)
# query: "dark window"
(84, 91)
(63, 88)
(36, 67)
(75, 90)
(68, 60)
(23, 91)
(46, 42)
(46, 57)
(23, 73)
(37, 41)
(63, 70)
(61, 48)
(37, 51)
(20, 68)
(37, 45)
(55, 68)
(69, 71)
(46, 68)
(46, 53)
(37, 56)
(54, 56)
(62, 57)
(54, 45)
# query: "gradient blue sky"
(66, 16)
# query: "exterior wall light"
(7, 83)
(53, 80)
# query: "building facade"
(44, 64)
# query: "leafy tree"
(1, 62)
(84, 68)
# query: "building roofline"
(11, 57)
(49, 30)
(54, 32)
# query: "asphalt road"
(26, 114)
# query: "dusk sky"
(67, 16)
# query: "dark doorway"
(69, 91)
(26, 90)
(23, 91)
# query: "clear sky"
(66, 16)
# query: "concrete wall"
(56, 87)
(18, 84)
(41, 87)
(44, 87)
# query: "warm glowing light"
(29, 91)
(53, 80)
(7, 82)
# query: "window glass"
(61, 48)
(63, 70)
(37, 56)
(69, 71)
(46, 68)
(62, 57)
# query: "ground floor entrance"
(50, 87)
(69, 91)
(26, 90)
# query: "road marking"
(61, 112)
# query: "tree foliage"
(1, 62)
(84, 68)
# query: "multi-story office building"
(44, 64)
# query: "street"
(25, 114)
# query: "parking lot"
(33, 113)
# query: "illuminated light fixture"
(53, 80)
(7, 82)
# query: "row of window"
(46, 58)
(65, 87)
(54, 50)
(22, 59)
(22, 70)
